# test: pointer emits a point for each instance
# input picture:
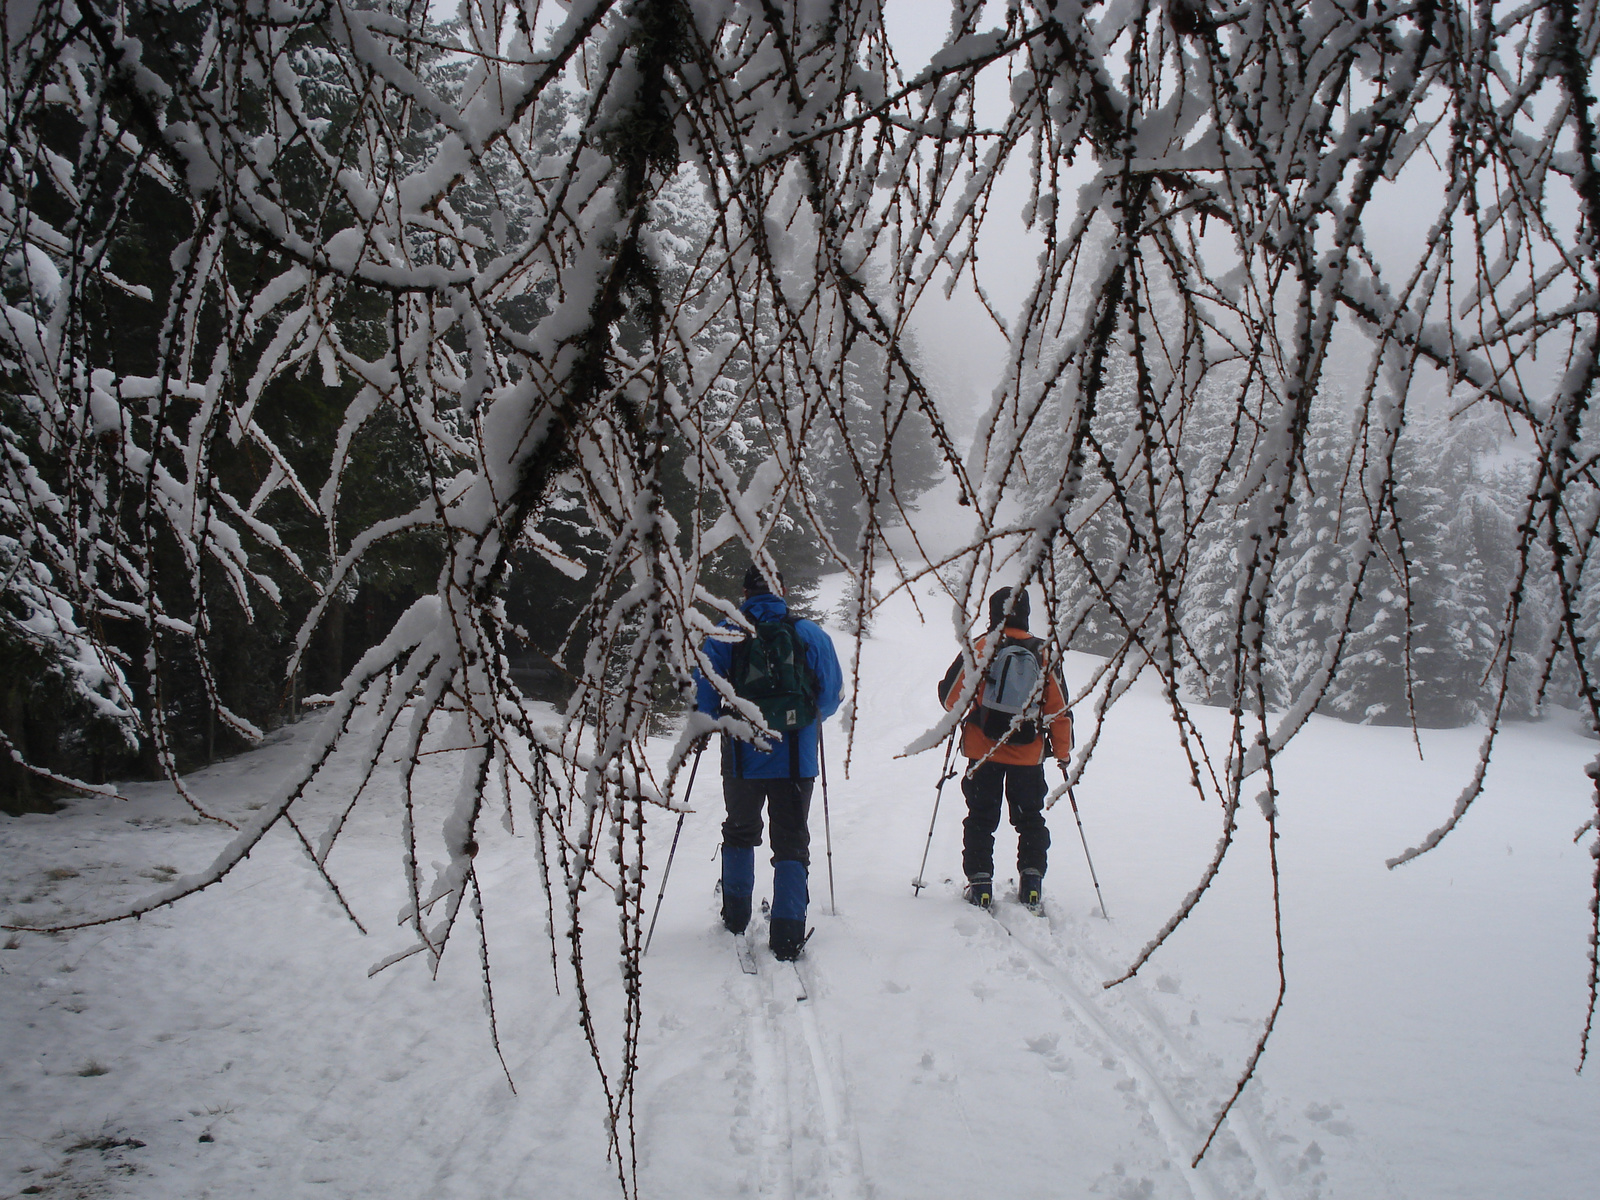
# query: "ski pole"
(1073, 800)
(945, 774)
(662, 894)
(827, 831)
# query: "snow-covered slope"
(234, 1046)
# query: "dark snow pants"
(788, 804)
(1025, 789)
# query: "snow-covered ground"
(233, 1046)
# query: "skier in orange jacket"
(1006, 752)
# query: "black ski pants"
(1025, 789)
(788, 804)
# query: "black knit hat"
(997, 609)
(755, 583)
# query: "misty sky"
(966, 351)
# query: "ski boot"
(789, 937)
(1031, 890)
(735, 912)
(980, 891)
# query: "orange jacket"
(1054, 708)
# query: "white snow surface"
(234, 1046)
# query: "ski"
(983, 908)
(992, 908)
(747, 957)
(800, 983)
(1036, 910)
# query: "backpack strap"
(949, 680)
(805, 662)
(793, 622)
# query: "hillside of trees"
(155, 702)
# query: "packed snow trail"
(769, 1103)
(1181, 1132)
(1128, 999)
(843, 1178)
(1177, 1132)
(794, 1103)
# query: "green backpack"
(769, 667)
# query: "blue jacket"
(741, 759)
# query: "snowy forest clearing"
(439, 368)
(233, 1046)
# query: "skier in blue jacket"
(780, 778)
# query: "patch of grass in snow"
(92, 1068)
(103, 1144)
(100, 1161)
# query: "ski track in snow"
(806, 1144)
(1132, 1000)
(1182, 1135)
(767, 1104)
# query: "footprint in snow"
(1045, 1045)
